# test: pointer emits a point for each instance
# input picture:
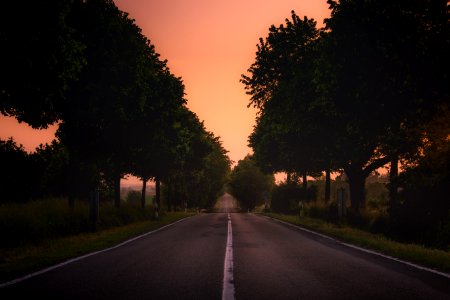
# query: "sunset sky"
(209, 43)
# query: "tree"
(248, 184)
(14, 161)
(154, 131)
(201, 184)
(288, 136)
(111, 91)
(40, 59)
(279, 56)
(371, 88)
(191, 149)
(215, 173)
(421, 212)
(371, 75)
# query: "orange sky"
(209, 43)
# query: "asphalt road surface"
(270, 261)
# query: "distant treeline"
(87, 66)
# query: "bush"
(37, 221)
(423, 212)
(380, 224)
(134, 198)
(286, 197)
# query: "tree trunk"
(117, 190)
(305, 181)
(288, 178)
(327, 185)
(356, 181)
(169, 195)
(157, 194)
(144, 188)
(393, 174)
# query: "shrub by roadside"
(37, 221)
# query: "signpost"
(341, 195)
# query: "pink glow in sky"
(209, 43)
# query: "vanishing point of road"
(258, 257)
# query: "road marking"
(5, 284)
(447, 275)
(228, 282)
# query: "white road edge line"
(5, 284)
(447, 275)
(228, 281)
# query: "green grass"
(18, 261)
(431, 258)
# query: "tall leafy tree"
(287, 136)
(200, 184)
(278, 58)
(14, 160)
(40, 58)
(111, 91)
(248, 184)
(191, 149)
(154, 132)
(378, 75)
(375, 78)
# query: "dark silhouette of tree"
(153, 130)
(359, 97)
(200, 182)
(378, 75)
(14, 160)
(192, 148)
(111, 90)
(289, 135)
(40, 58)
(278, 57)
(87, 65)
(248, 184)
(420, 213)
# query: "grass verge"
(431, 258)
(16, 262)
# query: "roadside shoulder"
(430, 260)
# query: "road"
(270, 261)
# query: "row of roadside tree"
(369, 89)
(86, 66)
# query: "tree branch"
(378, 163)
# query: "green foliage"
(33, 222)
(120, 109)
(286, 197)
(281, 87)
(38, 221)
(133, 198)
(353, 96)
(203, 174)
(249, 185)
(423, 213)
(40, 57)
(13, 160)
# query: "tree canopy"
(355, 95)
(120, 110)
(249, 185)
